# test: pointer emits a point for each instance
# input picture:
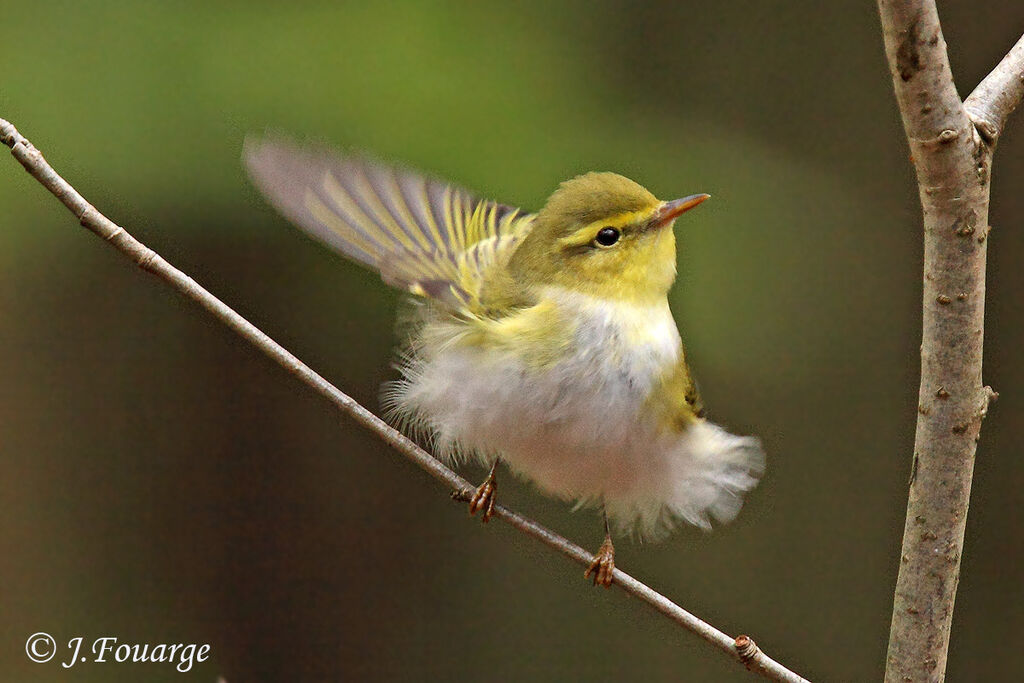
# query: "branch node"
(146, 258)
(462, 495)
(113, 234)
(88, 215)
(9, 135)
(997, 96)
(988, 131)
(746, 649)
(946, 136)
(988, 397)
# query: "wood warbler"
(544, 340)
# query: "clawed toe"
(603, 565)
(485, 497)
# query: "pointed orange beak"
(669, 211)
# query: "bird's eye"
(606, 237)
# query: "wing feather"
(421, 235)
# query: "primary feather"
(424, 236)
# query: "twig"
(952, 159)
(741, 649)
(998, 94)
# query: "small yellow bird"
(543, 340)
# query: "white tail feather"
(711, 471)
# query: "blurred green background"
(163, 482)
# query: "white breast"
(575, 428)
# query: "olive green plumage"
(535, 324)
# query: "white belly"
(576, 427)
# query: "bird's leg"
(604, 562)
(485, 497)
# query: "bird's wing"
(422, 235)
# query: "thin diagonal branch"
(951, 148)
(741, 648)
(998, 94)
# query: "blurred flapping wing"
(424, 236)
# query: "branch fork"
(952, 144)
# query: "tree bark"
(952, 158)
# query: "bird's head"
(606, 236)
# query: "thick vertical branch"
(952, 161)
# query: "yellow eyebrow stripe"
(585, 234)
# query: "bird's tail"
(710, 471)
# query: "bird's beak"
(669, 211)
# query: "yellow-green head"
(603, 235)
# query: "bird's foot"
(485, 497)
(603, 565)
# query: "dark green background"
(161, 481)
